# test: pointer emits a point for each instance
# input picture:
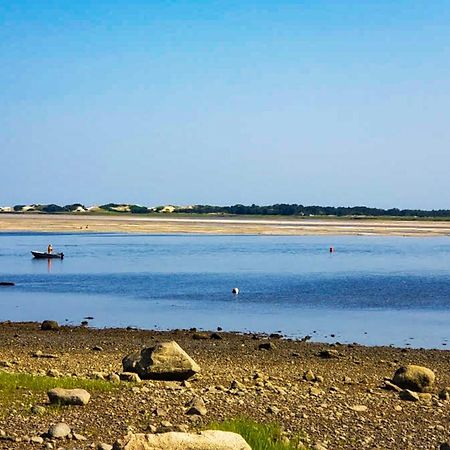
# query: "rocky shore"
(327, 396)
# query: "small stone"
(408, 395)
(329, 354)
(54, 373)
(69, 396)
(309, 375)
(215, 336)
(267, 346)
(200, 336)
(113, 377)
(444, 394)
(59, 430)
(398, 408)
(235, 384)
(79, 437)
(37, 440)
(38, 410)
(130, 377)
(196, 407)
(6, 364)
(103, 446)
(315, 391)
(97, 348)
(273, 409)
(359, 408)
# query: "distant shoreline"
(220, 225)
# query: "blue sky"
(221, 102)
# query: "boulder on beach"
(164, 361)
(206, 440)
(62, 396)
(49, 325)
(414, 378)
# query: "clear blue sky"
(152, 102)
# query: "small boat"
(45, 255)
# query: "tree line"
(279, 209)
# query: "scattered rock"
(359, 408)
(309, 376)
(444, 394)
(216, 336)
(37, 440)
(164, 361)
(38, 410)
(267, 346)
(411, 396)
(414, 378)
(329, 354)
(196, 407)
(59, 430)
(113, 377)
(69, 396)
(49, 325)
(97, 348)
(103, 446)
(39, 354)
(205, 440)
(200, 336)
(130, 376)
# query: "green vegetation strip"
(259, 436)
(11, 382)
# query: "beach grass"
(11, 382)
(259, 436)
(20, 391)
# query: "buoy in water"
(235, 291)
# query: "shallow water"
(371, 290)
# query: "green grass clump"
(259, 436)
(10, 382)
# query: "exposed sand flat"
(219, 225)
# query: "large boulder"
(164, 361)
(62, 396)
(206, 440)
(414, 378)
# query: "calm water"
(372, 290)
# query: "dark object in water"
(45, 255)
(7, 283)
(89, 318)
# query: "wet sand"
(220, 225)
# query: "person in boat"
(49, 248)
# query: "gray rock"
(164, 361)
(205, 440)
(414, 378)
(196, 407)
(267, 346)
(444, 394)
(103, 446)
(309, 375)
(411, 396)
(329, 354)
(49, 325)
(59, 430)
(113, 377)
(130, 376)
(37, 440)
(37, 410)
(359, 408)
(69, 396)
